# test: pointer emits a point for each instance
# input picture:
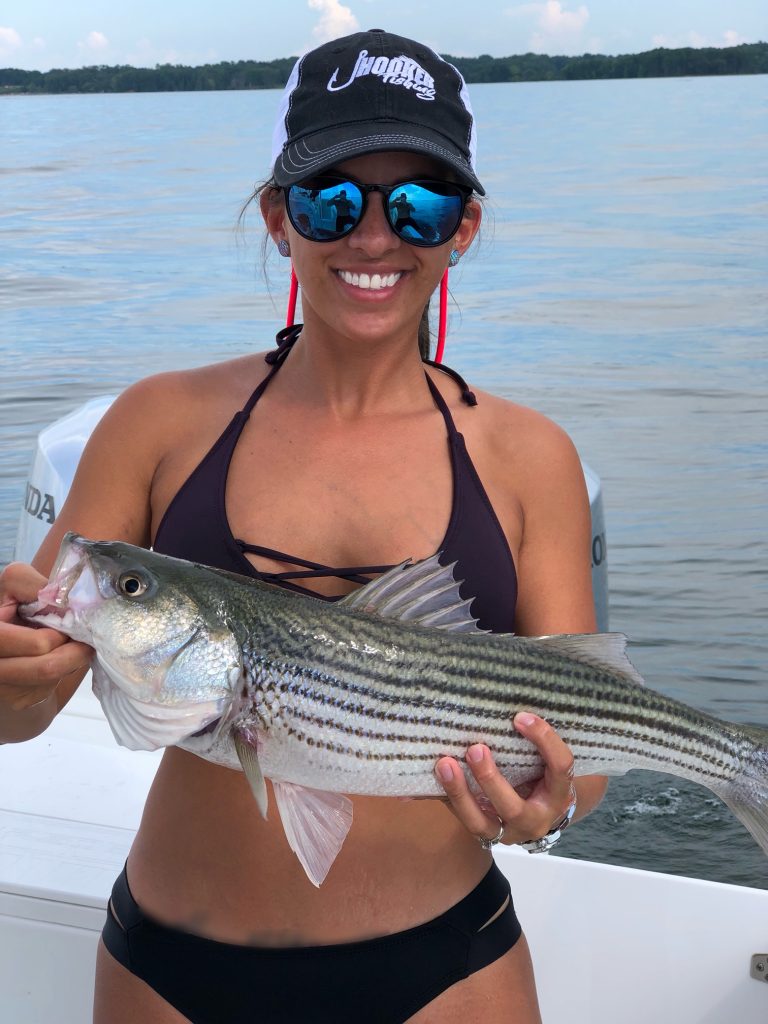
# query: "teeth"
(371, 282)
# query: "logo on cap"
(392, 71)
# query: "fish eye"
(130, 584)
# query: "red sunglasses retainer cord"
(293, 292)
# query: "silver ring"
(488, 844)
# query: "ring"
(488, 844)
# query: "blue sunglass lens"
(323, 210)
(425, 213)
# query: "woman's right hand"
(33, 661)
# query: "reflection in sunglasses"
(421, 212)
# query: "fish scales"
(364, 695)
(504, 680)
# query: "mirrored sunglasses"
(421, 212)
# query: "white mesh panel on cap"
(280, 133)
(472, 131)
(464, 95)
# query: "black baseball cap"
(373, 91)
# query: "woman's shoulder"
(157, 414)
(176, 393)
(166, 409)
(521, 438)
(117, 473)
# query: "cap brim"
(301, 159)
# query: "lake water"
(619, 286)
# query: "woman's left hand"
(523, 817)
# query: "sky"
(42, 34)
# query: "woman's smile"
(375, 281)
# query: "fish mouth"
(71, 586)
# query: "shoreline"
(683, 62)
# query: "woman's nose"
(374, 234)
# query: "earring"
(283, 247)
(454, 257)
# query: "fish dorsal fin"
(315, 823)
(425, 593)
(600, 650)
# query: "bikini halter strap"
(287, 338)
(285, 341)
(467, 395)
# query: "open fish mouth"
(71, 588)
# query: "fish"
(361, 696)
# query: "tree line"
(745, 59)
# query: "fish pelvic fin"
(424, 593)
(747, 794)
(315, 823)
(248, 755)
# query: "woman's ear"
(470, 224)
(272, 208)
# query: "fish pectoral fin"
(315, 823)
(600, 650)
(248, 756)
(425, 593)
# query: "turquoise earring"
(454, 257)
(283, 247)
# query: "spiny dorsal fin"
(600, 650)
(425, 593)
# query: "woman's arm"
(554, 596)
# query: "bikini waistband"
(468, 915)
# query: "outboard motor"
(59, 448)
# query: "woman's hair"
(273, 191)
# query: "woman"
(336, 458)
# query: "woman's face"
(370, 284)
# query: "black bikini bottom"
(378, 981)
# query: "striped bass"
(362, 696)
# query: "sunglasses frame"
(464, 191)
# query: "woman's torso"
(388, 488)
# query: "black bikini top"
(195, 524)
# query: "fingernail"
(475, 754)
(445, 771)
(524, 718)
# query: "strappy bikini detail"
(195, 524)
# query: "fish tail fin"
(747, 794)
